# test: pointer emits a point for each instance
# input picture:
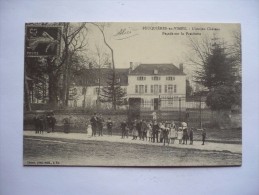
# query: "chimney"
(181, 67)
(131, 65)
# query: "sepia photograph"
(132, 94)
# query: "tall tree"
(113, 92)
(57, 68)
(101, 27)
(215, 69)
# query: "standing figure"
(52, 122)
(165, 132)
(123, 129)
(94, 121)
(100, 122)
(109, 126)
(138, 126)
(203, 136)
(185, 135)
(36, 123)
(185, 132)
(134, 130)
(180, 135)
(66, 122)
(126, 131)
(172, 133)
(155, 131)
(89, 129)
(143, 130)
(191, 136)
(149, 132)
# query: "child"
(109, 126)
(180, 135)
(149, 132)
(172, 133)
(89, 129)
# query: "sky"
(154, 42)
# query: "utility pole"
(200, 114)
(180, 114)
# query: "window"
(156, 78)
(170, 88)
(170, 78)
(141, 88)
(175, 89)
(155, 88)
(118, 80)
(165, 88)
(141, 78)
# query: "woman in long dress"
(89, 130)
(180, 134)
(134, 131)
(172, 133)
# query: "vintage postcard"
(132, 94)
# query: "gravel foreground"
(58, 149)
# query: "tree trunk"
(53, 90)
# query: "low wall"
(79, 122)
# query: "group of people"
(44, 123)
(152, 130)
(96, 125)
(161, 132)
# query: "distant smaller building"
(88, 85)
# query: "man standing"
(94, 122)
(100, 125)
(143, 130)
(109, 126)
(139, 124)
(123, 129)
(155, 130)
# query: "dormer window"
(170, 78)
(155, 78)
(155, 71)
(141, 78)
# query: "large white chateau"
(152, 85)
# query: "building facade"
(157, 86)
(151, 86)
